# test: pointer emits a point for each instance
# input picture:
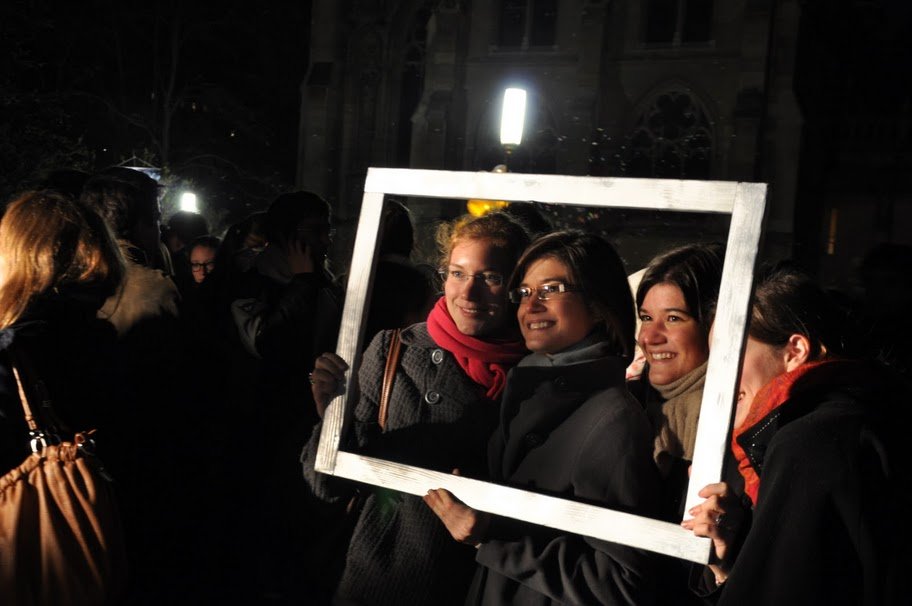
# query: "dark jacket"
(829, 526)
(400, 553)
(570, 430)
(74, 355)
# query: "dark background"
(207, 92)
(211, 94)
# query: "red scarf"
(824, 373)
(486, 362)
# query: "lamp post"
(512, 119)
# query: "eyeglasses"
(210, 265)
(543, 292)
(491, 278)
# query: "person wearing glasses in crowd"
(568, 428)
(203, 251)
(443, 407)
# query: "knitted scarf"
(676, 417)
(784, 387)
(485, 362)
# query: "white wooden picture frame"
(744, 202)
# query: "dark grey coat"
(570, 430)
(400, 553)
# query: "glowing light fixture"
(512, 118)
(188, 202)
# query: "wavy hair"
(47, 242)
(497, 227)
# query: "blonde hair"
(49, 241)
(496, 227)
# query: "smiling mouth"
(665, 355)
(540, 325)
(474, 311)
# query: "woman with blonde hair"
(58, 263)
(444, 404)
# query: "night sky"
(213, 94)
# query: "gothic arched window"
(672, 138)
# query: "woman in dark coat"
(58, 264)
(442, 409)
(568, 427)
(813, 441)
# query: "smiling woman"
(568, 427)
(675, 299)
(442, 407)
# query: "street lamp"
(188, 202)
(512, 118)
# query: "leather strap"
(389, 373)
(29, 417)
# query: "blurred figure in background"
(202, 257)
(182, 228)
(408, 291)
(294, 315)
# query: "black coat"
(571, 431)
(74, 355)
(829, 526)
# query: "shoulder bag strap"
(389, 373)
(29, 417)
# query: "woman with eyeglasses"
(444, 404)
(568, 428)
(203, 251)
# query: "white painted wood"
(744, 201)
(578, 518)
(728, 338)
(661, 194)
(354, 316)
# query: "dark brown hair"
(598, 272)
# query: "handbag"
(61, 539)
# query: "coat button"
(432, 397)
(560, 383)
(437, 356)
(532, 440)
